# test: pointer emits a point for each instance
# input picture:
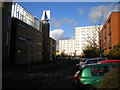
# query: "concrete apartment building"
(28, 38)
(84, 36)
(110, 33)
(67, 46)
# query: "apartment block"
(85, 36)
(110, 33)
(67, 46)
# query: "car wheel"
(90, 87)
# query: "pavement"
(23, 70)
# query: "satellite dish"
(46, 15)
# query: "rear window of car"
(99, 71)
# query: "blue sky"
(65, 16)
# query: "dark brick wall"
(46, 42)
(52, 49)
(26, 43)
(6, 15)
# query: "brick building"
(52, 49)
(26, 43)
(109, 35)
(5, 8)
(46, 42)
(25, 39)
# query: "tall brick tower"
(45, 27)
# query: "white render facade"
(84, 35)
(67, 46)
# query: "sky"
(65, 16)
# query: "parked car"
(110, 61)
(87, 62)
(81, 62)
(91, 75)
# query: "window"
(7, 38)
(116, 67)
(104, 27)
(109, 21)
(92, 61)
(94, 71)
(21, 25)
(21, 38)
(106, 69)
(99, 71)
(53, 49)
(8, 23)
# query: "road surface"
(52, 75)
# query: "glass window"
(99, 71)
(94, 71)
(116, 67)
(106, 69)
(7, 38)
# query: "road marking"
(61, 62)
(45, 75)
(61, 75)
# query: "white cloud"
(81, 11)
(55, 23)
(64, 21)
(57, 34)
(102, 11)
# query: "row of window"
(25, 16)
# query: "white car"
(81, 62)
(87, 62)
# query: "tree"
(63, 53)
(115, 52)
(91, 52)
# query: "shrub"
(111, 80)
(115, 52)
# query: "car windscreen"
(91, 61)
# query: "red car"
(110, 61)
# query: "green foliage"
(63, 54)
(91, 52)
(115, 52)
(110, 80)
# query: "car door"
(97, 74)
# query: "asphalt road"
(52, 75)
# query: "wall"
(26, 43)
(6, 15)
(44, 25)
(52, 49)
(110, 33)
